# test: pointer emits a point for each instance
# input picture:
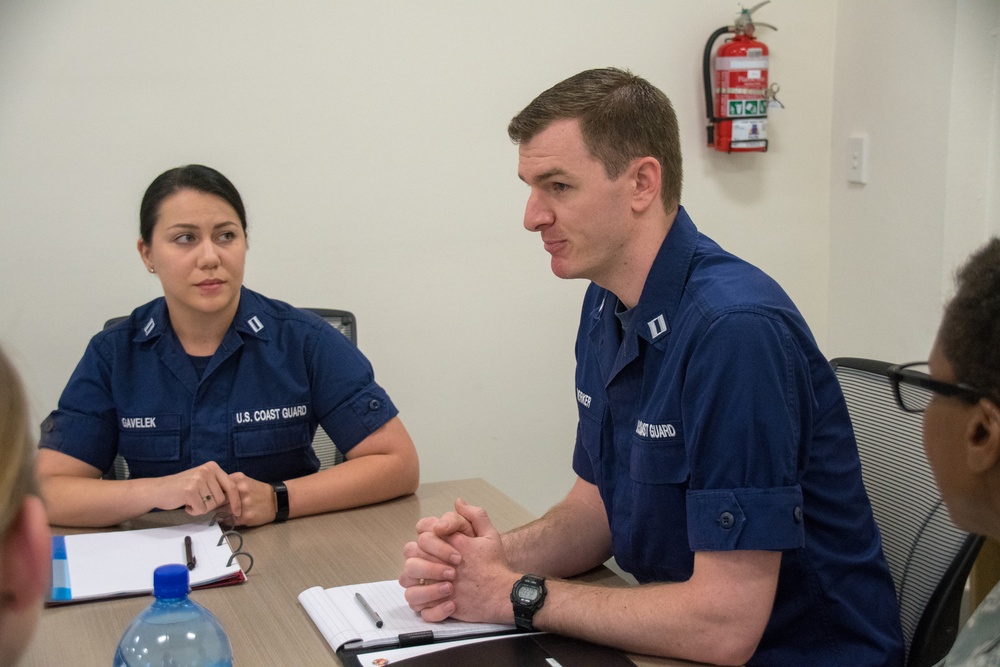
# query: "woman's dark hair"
(191, 177)
(970, 328)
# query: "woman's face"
(198, 250)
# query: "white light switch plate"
(857, 154)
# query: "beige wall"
(921, 80)
(368, 140)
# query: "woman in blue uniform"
(212, 393)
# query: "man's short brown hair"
(622, 117)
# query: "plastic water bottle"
(174, 631)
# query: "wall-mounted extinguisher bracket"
(736, 107)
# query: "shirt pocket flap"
(150, 446)
(150, 438)
(271, 439)
(659, 461)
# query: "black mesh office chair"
(928, 555)
(327, 453)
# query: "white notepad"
(345, 625)
(92, 566)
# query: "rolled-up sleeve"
(748, 432)
(759, 519)
(350, 404)
(84, 425)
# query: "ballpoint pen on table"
(188, 554)
(375, 618)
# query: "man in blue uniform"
(714, 453)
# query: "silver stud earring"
(152, 270)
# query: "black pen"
(376, 619)
(188, 554)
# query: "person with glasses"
(958, 392)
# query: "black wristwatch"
(527, 596)
(281, 495)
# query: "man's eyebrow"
(545, 175)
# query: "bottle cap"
(170, 581)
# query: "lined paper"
(343, 623)
(120, 563)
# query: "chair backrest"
(341, 320)
(928, 555)
(327, 453)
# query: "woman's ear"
(982, 437)
(144, 255)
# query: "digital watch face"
(528, 593)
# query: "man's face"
(583, 217)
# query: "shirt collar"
(661, 294)
(151, 321)
(251, 318)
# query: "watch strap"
(281, 496)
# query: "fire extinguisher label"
(750, 130)
(738, 63)
(736, 108)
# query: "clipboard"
(517, 650)
(97, 566)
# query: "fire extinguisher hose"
(706, 66)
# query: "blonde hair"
(16, 445)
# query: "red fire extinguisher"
(737, 115)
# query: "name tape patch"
(271, 414)
(644, 430)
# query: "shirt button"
(726, 520)
(48, 425)
(797, 514)
(374, 405)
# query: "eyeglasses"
(914, 388)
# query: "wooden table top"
(263, 618)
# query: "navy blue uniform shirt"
(712, 422)
(278, 373)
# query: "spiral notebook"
(346, 625)
(95, 566)
(405, 639)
